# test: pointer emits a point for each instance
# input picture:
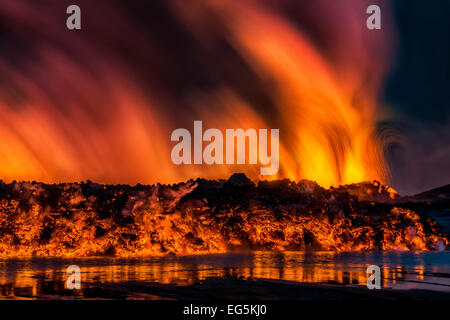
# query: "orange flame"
(65, 117)
(90, 219)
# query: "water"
(29, 278)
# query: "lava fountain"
(96, 105)
(100, 104)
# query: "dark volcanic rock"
(205, 216)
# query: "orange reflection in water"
(45, 278)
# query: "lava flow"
(205, 216)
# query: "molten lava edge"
(204, 216)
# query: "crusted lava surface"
(212, 216)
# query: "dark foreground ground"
(239, 289)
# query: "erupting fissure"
(206, 216)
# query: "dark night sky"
(418, 90)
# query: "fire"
(65, 117)
(202, 216)
(97, 105)
(330, 139)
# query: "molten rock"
(205, 216)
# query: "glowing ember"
(203, 217)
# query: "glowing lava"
(204, 216)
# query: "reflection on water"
(46, 277)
